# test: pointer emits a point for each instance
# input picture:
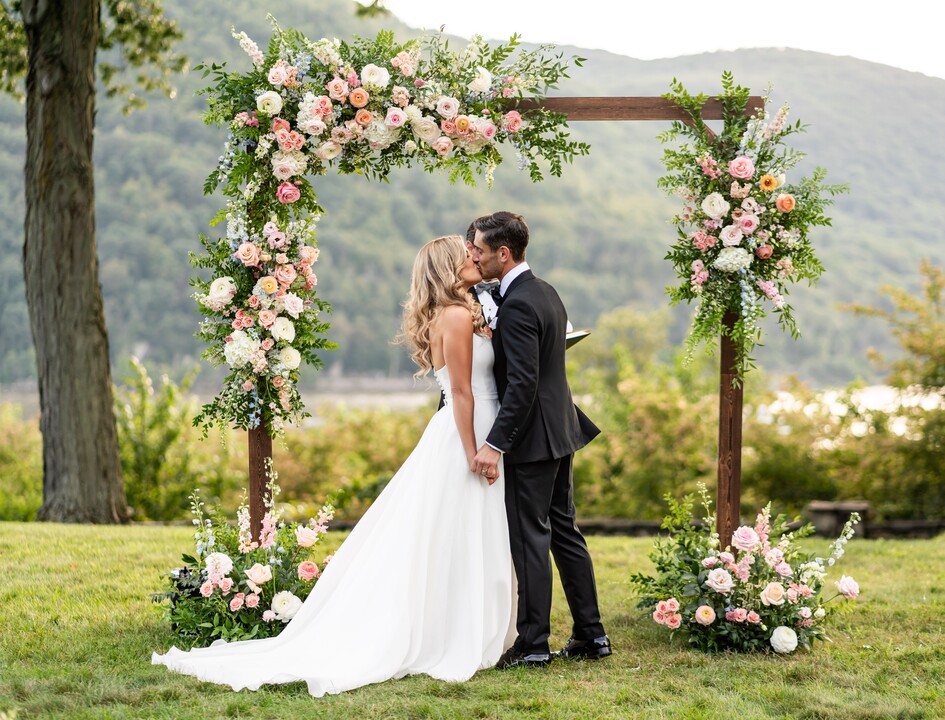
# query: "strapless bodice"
(483, 381)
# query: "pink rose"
(487, 129)
(662, 608)
(278, 381)
(783, 569)
(720, 581)
(237, 602)
(278, 74)
(745, 539)
(395, 117)
(308, 255)
(674, 621)
(285, 274)
(672, 605)
(659, 617)
(269, 616)
(248, 385)
(248, 254)
(292, 141)
(705, 615)
(252, 600)
(206, 589)
(442, 146)
(266, 317)
(753, 617)
(748, 223)
(726, 557)
(739, 614)
(848, 587)
(279, 124)
(308, 570)
(337, 89)
(226, 584)
(513, 121)
(764, 251)
(741, 167)
(286, 194)
(267, 344)
(709, 562)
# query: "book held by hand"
(575, 336)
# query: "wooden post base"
(728, 491)
(260, 448)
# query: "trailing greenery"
(79, 631)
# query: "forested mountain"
(599, 233)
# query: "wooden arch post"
(728, 490)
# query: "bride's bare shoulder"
(454, 317)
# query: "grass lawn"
(78, 630)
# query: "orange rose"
(785, 202)
(359, 97)
(462, 123)
(768, 183)
(364, 117)
(268, 284)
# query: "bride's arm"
(456, 323)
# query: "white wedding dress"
(423, 584)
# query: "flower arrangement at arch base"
(759, 592)
(236, 587)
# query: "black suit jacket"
(538, 419)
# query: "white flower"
(447, 107)
(848, 587)
(730, 235)
(376, 76)
(773, 594)
(715, 206)
(783, 639)
(288, 164)
(218, 564)
(290, 357)
(292, 304)
(720, 581)
(285, 605)
(413, 113)
(410, 147)
(282, 329)
(426, 129)
(482, 82)
(220, 294)
(328, 150)
(269, 102)
(732, 259)
(240, 350)
(819, 613)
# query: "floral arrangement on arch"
(759, 592)
(237, 587)
(365, 107)
(744, 232)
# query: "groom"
(537, 430)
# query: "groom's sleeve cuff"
(501, 452)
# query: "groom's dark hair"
(504, 228)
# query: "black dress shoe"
(515, 658)
(586, 649)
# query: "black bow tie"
(496, 296)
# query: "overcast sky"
(904, 36)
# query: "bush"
(21, 465)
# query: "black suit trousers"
(540, 506)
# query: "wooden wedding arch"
(728, 492)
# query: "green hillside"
(599, 232)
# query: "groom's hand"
(486, 463)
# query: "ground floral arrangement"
(237, 587)
(365, 107)
(744, 232)
(759, 592)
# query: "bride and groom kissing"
(427, 580)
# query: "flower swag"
(365, 107)
(744, 232)
(760, 592)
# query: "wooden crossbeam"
(629, 108)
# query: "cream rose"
(376, 76)
(482, 82)
(773, 594)
(259, 574)
(715, 206)
(305, 536)
(730, 236)
(783, 639)
(285, 605)
(269, 102)
(328, 150)
(426, 129)
(447, 107)
(293, 305)
(283, 329)
(290, 357)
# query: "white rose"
(447, 107)
(410, 147)
(221, 293)
(293, 304)
(374, 75)
(259, 574)
(426, 129)
(305, 536)
(312, 125)
(288, 164)
(283, 329)
(269, 102)
(715, 206)
(783, 639)
(720, 581)
(730, 236)
(290, 357)
(482, 81)
(218, 564)
(819, 613)
(285, 605)
(328, 150)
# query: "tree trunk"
(81, 471)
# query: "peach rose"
(248, 254)
(285, 274)
(337, 89)
(764, 251)
(308, 255)
(252, 600)
(278, 381)
(259, 574)
(513, 121)
(359, 97)
(278, 124)
(206, 589)
(305, 536)
(785, 202)
(266, 317)
(773, 594)
(364, 117)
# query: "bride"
(423, 584)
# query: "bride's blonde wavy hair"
(435, 284)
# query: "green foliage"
(21, 465)
(162, 460)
